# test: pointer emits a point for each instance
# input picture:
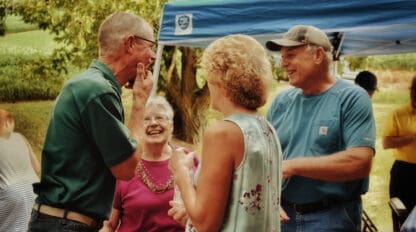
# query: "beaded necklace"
(151, 182)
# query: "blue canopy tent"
(355, 27)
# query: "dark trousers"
(44, 223)
(402, 185)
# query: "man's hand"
(143, 83)
(286, 169)
(142, 88)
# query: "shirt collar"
(107, 73)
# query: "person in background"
(87, 146)
(327, 131)
(142, 203)
(409, 225)
(400, 135)
(368, 81)
(238, 185)
(19, 169)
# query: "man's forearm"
(351, 164)
(398, 141)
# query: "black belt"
(311, 207)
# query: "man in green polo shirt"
(87, 146)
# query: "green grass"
(15, 25)
(376, 200)
(25, 38)
(31, 119)
(28, 42)
(393, 97)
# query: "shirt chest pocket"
(326, 136)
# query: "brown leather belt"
(66, 214)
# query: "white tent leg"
(156, 69)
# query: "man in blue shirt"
(327, 132)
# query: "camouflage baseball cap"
(301, 35)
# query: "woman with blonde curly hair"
(238, 185)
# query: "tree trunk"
(188, 100)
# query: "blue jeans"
(345, 216)
(44, 223)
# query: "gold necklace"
(147, 178)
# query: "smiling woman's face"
(158, 127)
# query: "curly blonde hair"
(239, 64)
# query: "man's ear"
(319, 55)
(129, 44)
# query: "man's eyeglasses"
(141, 38)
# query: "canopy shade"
(355, 27)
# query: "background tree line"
(74, 24)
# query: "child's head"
(6, 123)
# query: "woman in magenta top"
(142, 203)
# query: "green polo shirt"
(86, 136)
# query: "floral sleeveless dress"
(255, 192)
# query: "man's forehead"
(291, 49)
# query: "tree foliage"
(75, 23)
(357, 63)
(4, 5)
(405, 61)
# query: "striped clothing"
(16, 178)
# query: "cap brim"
(277, 44)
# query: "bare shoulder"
(224, 132)
(224, 143)
(223, 128)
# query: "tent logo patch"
(183, 24)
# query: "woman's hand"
(178, 214)
(283, 215)
(181, 160)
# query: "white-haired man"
(327, 132)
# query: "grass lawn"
(375, 202)
(28, 42)
(32, 41)
(15, 24)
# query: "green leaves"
(75, 23)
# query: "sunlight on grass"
(375, 202)
(31, 120)
(29, 41)
(15, 24)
